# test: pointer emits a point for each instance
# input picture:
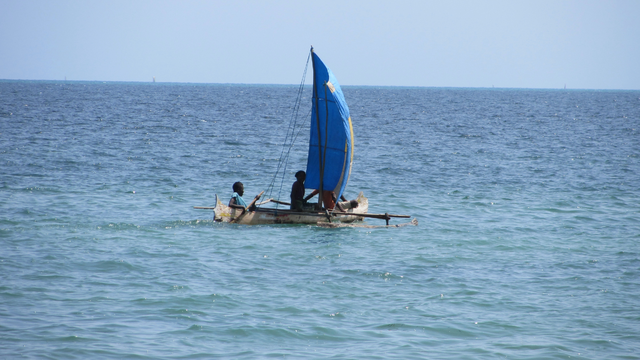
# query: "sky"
(508, 44)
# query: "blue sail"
(331, 133)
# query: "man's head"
(301, 176)
(238, 187)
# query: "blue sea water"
(527, 246)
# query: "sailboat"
(329, 163)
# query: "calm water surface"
(527, 247)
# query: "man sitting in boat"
(237, 202)
(299, 202)
(297, 192)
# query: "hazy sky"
(523, 44)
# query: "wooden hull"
(283, 215)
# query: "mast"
(326, 128)
(320, 162)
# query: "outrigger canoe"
(329, 162)
(269, 215)
(266, 216)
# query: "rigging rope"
(292, 135)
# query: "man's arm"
(313, 193)
(233, 205)
(253, 206)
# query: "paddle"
(245, 209)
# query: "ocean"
(527, 247)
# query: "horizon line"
(269, 84)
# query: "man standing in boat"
(237, 202)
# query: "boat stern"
(222, 212)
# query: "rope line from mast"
(291, 136)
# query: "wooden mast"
(320, 163)
(326, 130)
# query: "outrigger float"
(328, 166)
